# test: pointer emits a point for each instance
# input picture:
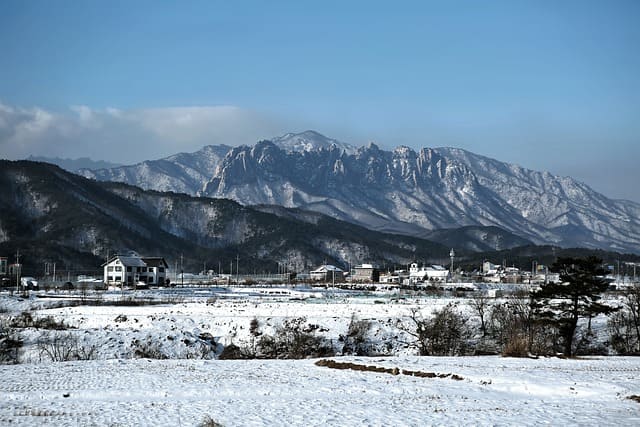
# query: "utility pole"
(533, 270)
(175, 273)
(18, 270)
(452, 254)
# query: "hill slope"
(52, 216)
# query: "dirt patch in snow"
(393, 371)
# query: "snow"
(494, 391)
(118, 389)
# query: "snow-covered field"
(118, 389)
(494, 391)
(116, 331)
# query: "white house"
(398, 276)
(490, 268)
(130, 270)
(329, 273)
(433, 273)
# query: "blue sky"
(548, 85)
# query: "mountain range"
(73, 165)
(426, 193)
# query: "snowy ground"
(494, 391)
(117, 389)
(116, 330)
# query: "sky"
(551, 86)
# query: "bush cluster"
(293, 339)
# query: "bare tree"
(62, 347)
(481, 304)
(512, 326)
(624, 325)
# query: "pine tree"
(576, 296)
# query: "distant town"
(133, 271)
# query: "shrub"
(63, 347)
(516, 346)
(148, 349)
(445, 334)
(624, 325)
(49, 322)
(10, 344)
(26, 320)
(209, 422)
(293, 339)
(355, 341)
(232, 352)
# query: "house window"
(109, 278)
(137, 269)
(129, 268)
(118, 278)
(161, 269)
(118, 268)
(110, 268)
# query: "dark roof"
(135, 261)
(155, 262)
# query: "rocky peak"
(310, 140)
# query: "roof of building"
(365, 266)
(326, 268)
(132, 261)
(155, 262)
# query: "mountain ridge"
(407, 191)
(46, 212)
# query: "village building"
(366, 273)
(431, 273)
(395, 277)
(327, 273)
(489, 268)
(132, 270)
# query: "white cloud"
(128, 136)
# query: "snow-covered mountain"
(74, 165)
(180, 173)
(189, 172)
(401, 191)
(309, 141)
